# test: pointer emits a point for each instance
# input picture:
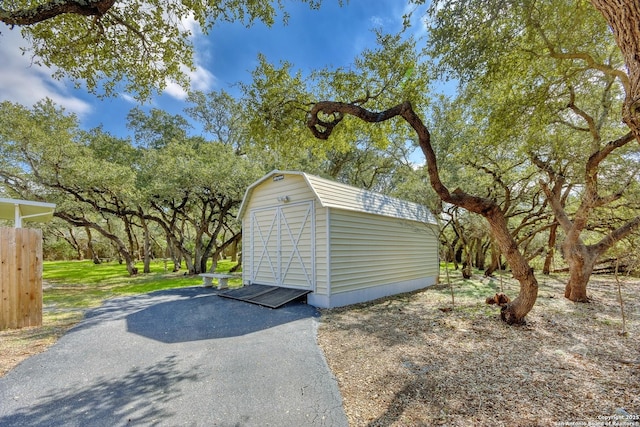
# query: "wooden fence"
(20, 277)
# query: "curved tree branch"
(55, 8)
(325, 115)
(583, 56)
(591, 123)
(616, 235)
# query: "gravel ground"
(411, 361)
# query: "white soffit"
(25, 210)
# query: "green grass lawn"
(76, 285)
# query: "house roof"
(24, 210)
(336, 195)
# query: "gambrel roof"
(336, 195)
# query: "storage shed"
(343, 244)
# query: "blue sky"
(331, 36)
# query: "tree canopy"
(182, 193)
(138, 47)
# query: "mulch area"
(403, 361)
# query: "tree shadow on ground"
(420, 389)
(207, 317)
(192, 314)
(136, 397)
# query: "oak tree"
(134, 46)
(533, 84)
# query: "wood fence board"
(4, 277)
(20, 277)
(35, 242)
(22, 257)
(12, 317)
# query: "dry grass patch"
(402, 361)
(18, 344)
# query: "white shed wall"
(370, 250)
(264, 200)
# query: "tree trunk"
(172, 252)
(238, 266)
(234, 251)
(146, 248)
(576, 289)
(495, 260)
(623, 16)
(74, 242)
(458, 257)
(481, 254)
(130, 262)
(92, 252)
(514, 312)
(199, 259)
(128, 228)
(551, 245)
(467, 268)
(177, 260)
(581, 261)
(188, 261)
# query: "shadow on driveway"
(101, 402)
(178, 357)
(201, 315)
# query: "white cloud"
(190, 24)
(130, 99)
(377, 21)
(200, 79)
(175, 91)
(26, 83)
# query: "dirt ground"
(403, 361)
(411, 360)
(18, 344)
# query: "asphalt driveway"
(178, 357)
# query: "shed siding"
(262, 207)
(266, 193)
(398, 250)
(322, 259)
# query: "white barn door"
(282, 246)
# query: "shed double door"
(282, 246)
